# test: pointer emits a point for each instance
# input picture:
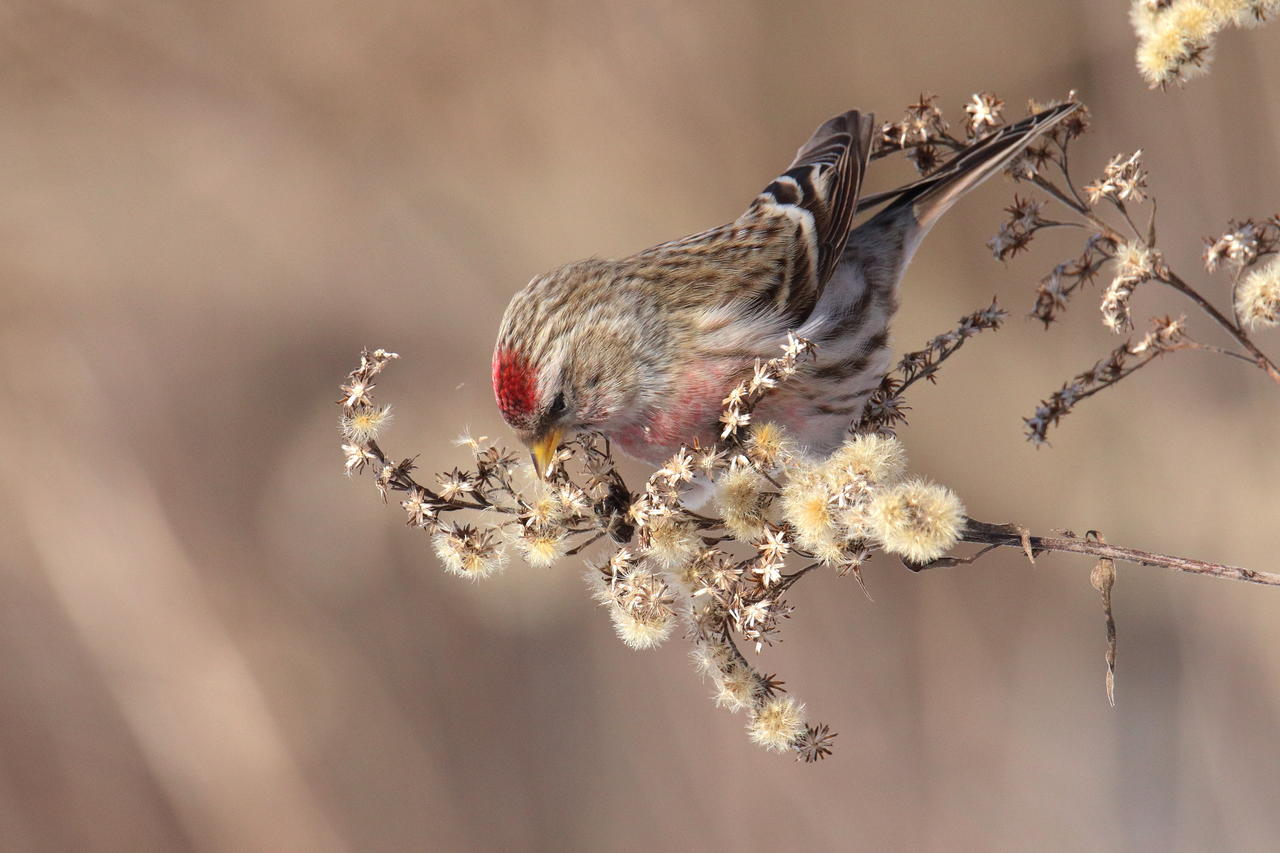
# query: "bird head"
(570, 358)
(537, 409)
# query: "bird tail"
(932, 196)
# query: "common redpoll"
(644, 349)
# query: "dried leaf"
(1103, 578)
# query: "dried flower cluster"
(1106, 208)
(724, 578)
(781, 514)
(1166, 335)
(1176, 37)
(887, 405)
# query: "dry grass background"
(211, 640)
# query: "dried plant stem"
(1011, 536)
(1167, 276)
(1175, 281)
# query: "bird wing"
(818, 194)
(822, 185)
(777, 257)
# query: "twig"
(1006, 535)
(1175, 281)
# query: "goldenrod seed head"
(363, 424)
(689, 574)
(1255, 13)
(807, 504)
(777, 724)
(1143, 18)
(876, 459)
(642, 628)
(710, 658)
(1258, 297)
(917, 519)
(544, 505)
(605, 593)
(741, 505)
(468, 552)
(769, 445)
(672, 542)
(1134, 260)
(640, 603)
(1160, 54)
(540, 547)
(855, 519)
(1224, 12)
(829, 552)
(1193, 19)
(737, 689)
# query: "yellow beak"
(544, 450)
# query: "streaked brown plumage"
(644, 349)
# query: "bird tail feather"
(934, 195)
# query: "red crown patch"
(514, 386)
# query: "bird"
(644, 349)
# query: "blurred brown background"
(211, 640)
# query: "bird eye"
(558, 406)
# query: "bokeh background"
(212, 640)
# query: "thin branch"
(788, 580)
(1196, 345)
(1010, 536)
(1175, 281)
(580, 547)
(1124, 211)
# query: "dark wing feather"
(823, 182)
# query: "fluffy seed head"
(468, 552)
(709, 658)
(807, 504)
(364, 424)
(876, 459)
(1224, 12)
(737, 689)
(1255, 13)
(540, 547)
(739, 499)
(1134, 260)
(641, 629)
(672, 542)
(545, 505)
(829, 552)
(1193, 19)
(1143, 18)
(855, 519)
(917, 519)
(640, 602)
(1175, 40)
(777, 724)
(768, 444)
(1258, 297)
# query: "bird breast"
(691, 412)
